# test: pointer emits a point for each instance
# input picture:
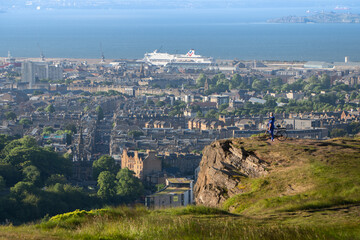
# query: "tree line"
(35, 182)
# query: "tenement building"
(143, 164)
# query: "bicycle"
(279, 133)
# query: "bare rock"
(221, 167)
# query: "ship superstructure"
(178, 60)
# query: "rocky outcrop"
(222, 165)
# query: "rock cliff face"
(222, 164)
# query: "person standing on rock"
(271, 125)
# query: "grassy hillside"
(188, 223)
(311, 192)
(303, 175)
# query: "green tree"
(353, 95)
(22, 188)
(217, 78)
(270, 103)
(4, 140)
(114, 93)
(86, 94)
(2, 183)
(155, 85)
(282, 100)
(223, 106)
(337, 132)
(168, 86)
(222, 85)
(211, 114)
(107, 186)
(353, 128)
(313, 79)
(160, 104)
(275, 84)
(199, 114)
(24, 152)
(83, 100)
(237, 82)
(104, 163)
(258, 85)
(31, 174)
(195, 108)
(37, 92)
(25, 122)
(86, 109)
(149, 102)
(329, 98)
(40, 109)
(325, 81)
(48, 130)
(179, 105)
(100, 113)
(10, 173)
(174, 112)
(200, 81)
(68, 135)
(54, 179)
(135, 133)
(298, 85)
(71, 127)
(10, 115)
(50, 108)
(128, 187)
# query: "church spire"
(206, 85)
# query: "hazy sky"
(175, 3)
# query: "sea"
(228, 33)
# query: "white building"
(31, 72)
(219, 99)
(295, 95)
(177, 192)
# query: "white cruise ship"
(189, 60)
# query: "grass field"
(191, 223)
(312, 191)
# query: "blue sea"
(219, 33)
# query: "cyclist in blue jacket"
(271, 125)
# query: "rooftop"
(171, 191)
(179, 180)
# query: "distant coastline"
(324, 17)
(130, 34)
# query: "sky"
(29, 4)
